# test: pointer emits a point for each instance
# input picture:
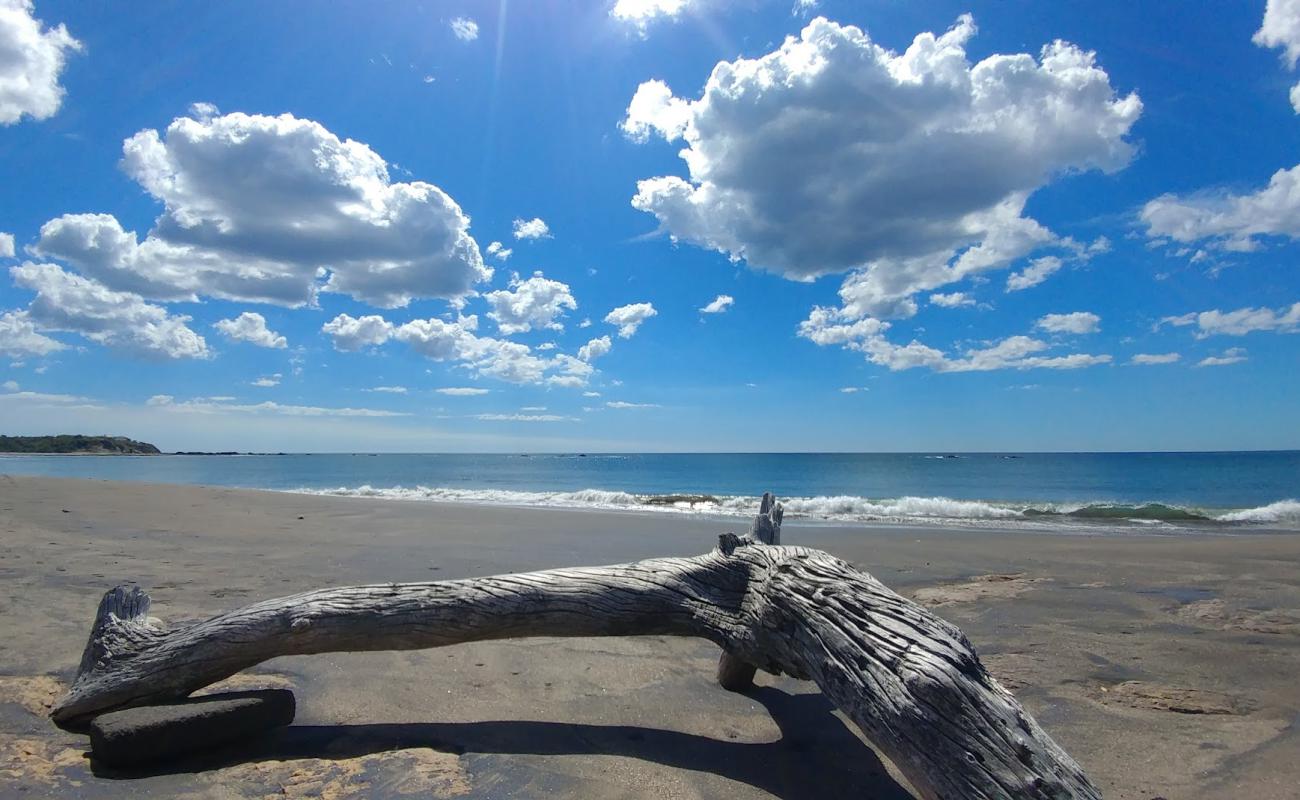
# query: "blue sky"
(941, 226)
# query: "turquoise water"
(1028, 489)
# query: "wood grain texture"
(908, 679)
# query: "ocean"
(1034, 491)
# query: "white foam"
(840, 507)
(849, 508)
(1281, 511)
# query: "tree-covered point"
(76, 443)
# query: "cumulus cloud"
(1237, 221)
(628, 318)
(354, 333)
(537, 302)
(464, 29)
(1239, 322)
(952, 300)
(461, 391)
(832, 154)
(642, 12)
(499, 251)
(32, 57)
(6, 245)
(1281, 28)
(533, 228)
(251, 327)
(19, 337)
(719, 304)
(1228, 221)
(213, 405)
(455, 341)
(121, 320)
(1039, 270)
(1141, 359)
(267, 381)
(272, 209)
(1233, 355)
(595, 348)
(1076, 322)
(523, 418)
(868, 336)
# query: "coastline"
(1100, 636)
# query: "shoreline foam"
(1283, 514)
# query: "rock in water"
(137, 736)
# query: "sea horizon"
(1044, 491)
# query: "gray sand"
(1165, 664)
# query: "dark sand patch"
(981, 587)
(1178, 699)
(1217, 613)
(36, 694)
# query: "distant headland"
(76, 444)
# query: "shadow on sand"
(816, 756)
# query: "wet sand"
(1166, 665)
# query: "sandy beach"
(1164, 664)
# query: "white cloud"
(11, 386)
(533, 228)
(68, 302)
(1039, 270)
(212, 405)
(352, 333)
(719, 304)
(251, 327)
(1229, 221)
(623, 404)
(952, 300)
(1155, 358)
(595, 348)
(499, 251)
(464, 29)
(523, 418)
(1239, 322)
(19, 337)
(641, 12)
(461, 391)
(387, 389)
(1281, 28)
(1076, 322)
(867, 336)
(586, 323)
(853, 389)
(6, 245)
(31, 59)
(832, 154)
(537, 302)
(628, 318)
(1233, 355)
(262, 209)
(455, 341)
(591, 394)
(267, 381)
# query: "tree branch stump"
(908, 679)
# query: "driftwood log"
(910, 680)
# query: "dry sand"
(1167, 665)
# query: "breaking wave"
(841, 507)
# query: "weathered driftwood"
(910, 680)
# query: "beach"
(1164, 663)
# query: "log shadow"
(816, 756)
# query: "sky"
(652, 225)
